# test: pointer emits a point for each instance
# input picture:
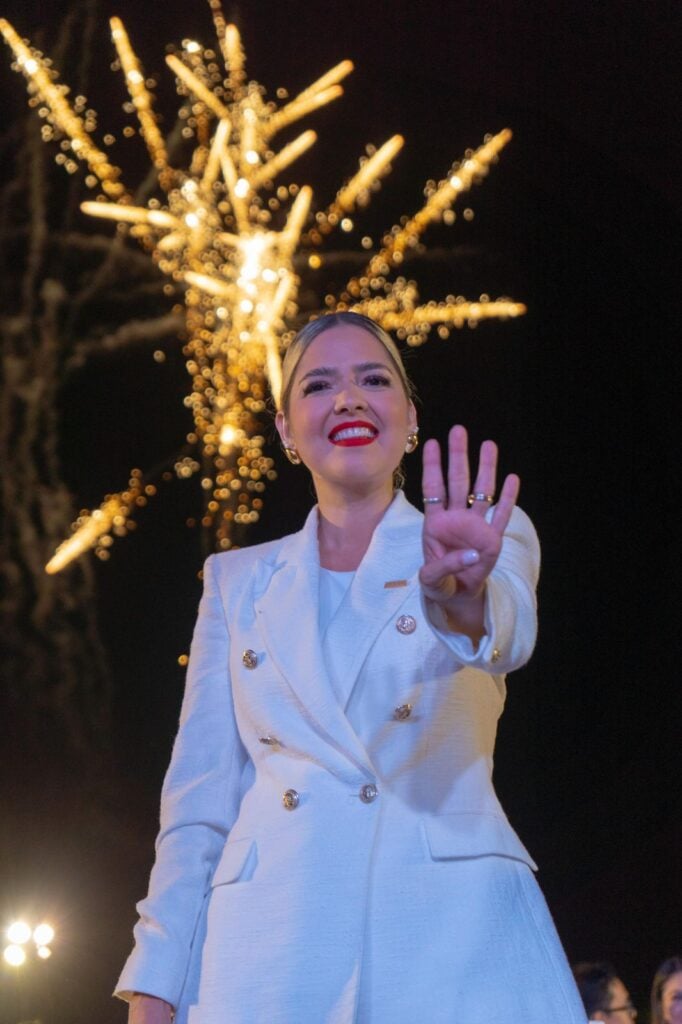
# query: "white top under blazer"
(329, 863)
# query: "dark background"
(580, 220)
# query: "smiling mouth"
(350, 435)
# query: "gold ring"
(479, 496)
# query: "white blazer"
(279, 804)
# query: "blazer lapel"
(393, 557)
(287, 613)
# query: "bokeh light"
(19, 932)
(43, 934)
(14, 955)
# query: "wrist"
(144, 1003)
(465, 614)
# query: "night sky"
(579, 220)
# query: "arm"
(481, 564)
(199, 804)
(146, 1009)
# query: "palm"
(452, 530)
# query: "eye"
(376, 380)
(315, 385)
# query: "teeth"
(344, 435)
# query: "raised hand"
(460, 546)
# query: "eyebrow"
(331, 371)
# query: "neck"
(346, 524)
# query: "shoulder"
(228, 564)
(520, 527)
(520, 523)
(235, 576)
(520, 546)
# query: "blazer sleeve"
(199, 804)
(510, 605)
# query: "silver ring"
(480, 496)
(433, 501)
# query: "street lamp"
(25, 939)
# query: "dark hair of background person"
(594, 982)
(673, 965)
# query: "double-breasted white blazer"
(322, 864)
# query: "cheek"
(301, 421)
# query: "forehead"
(673, 983)
(343, 346)
(619, 992)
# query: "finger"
(505, 504)
(441, 591)
(485, 478)
(435, 573)
(433, 485)
(458, 467)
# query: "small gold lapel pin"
(392, 584)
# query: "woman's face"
(348, 413)
(671, 999)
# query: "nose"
(349, 397)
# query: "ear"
(412, 416)
(282, 428)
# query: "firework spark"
(227, 235)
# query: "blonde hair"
(314, 328)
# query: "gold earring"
(412, 441)
(292, 455)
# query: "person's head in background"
(666, 992)
(603, 993)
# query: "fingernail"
(470, 557)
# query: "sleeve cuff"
(485, 655)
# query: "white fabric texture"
(333, 588)
(417, 905)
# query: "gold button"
(368, 793)
(249, 659)
(291, 799)
(406, 624)
(495, 656)
(402, 712)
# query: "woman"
(666, 993)
(331, 847)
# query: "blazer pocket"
(470, 834)
(237, 862)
